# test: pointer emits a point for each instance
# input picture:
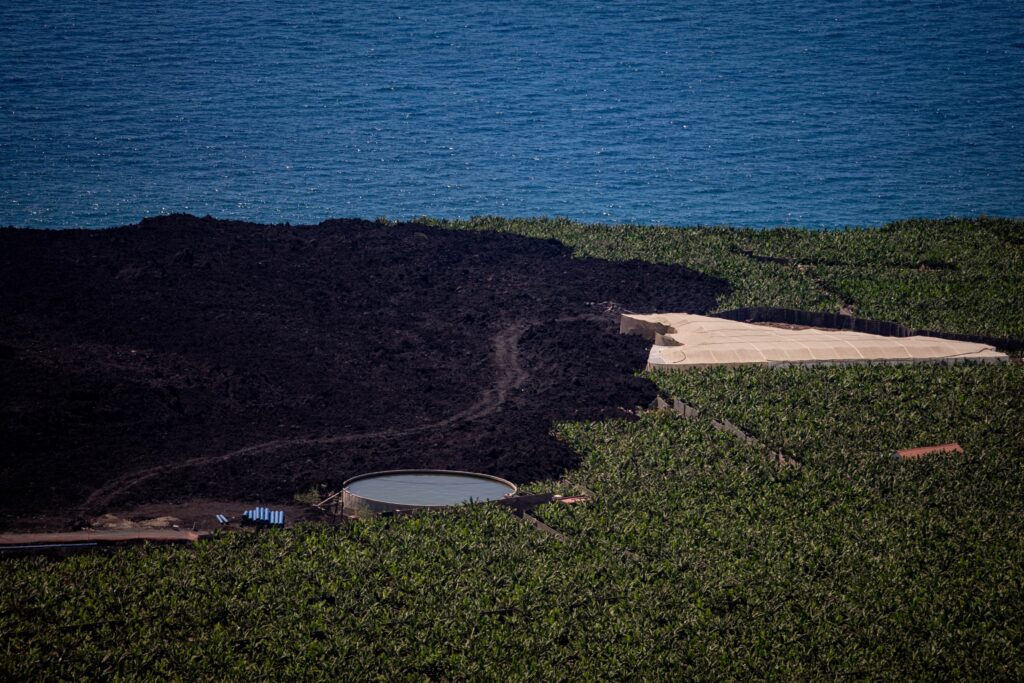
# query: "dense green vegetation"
(956, 275)
(699, 558)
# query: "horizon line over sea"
(607, 224)
(802, 115)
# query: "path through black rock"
(509, 376)
(188, 358)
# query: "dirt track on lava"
(193, 358)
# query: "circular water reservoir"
(379, 492)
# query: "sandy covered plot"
(193, 358)
(686, 340)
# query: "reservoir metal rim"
(396, 490)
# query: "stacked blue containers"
(262, 515)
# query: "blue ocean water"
(746, 113)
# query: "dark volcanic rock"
(193, 357)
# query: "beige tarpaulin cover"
(683, 340)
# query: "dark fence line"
(839, 321)
(723, 425)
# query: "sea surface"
(746, 113)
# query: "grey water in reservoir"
(746, 113)
(429, 489)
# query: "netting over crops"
(682, 340)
